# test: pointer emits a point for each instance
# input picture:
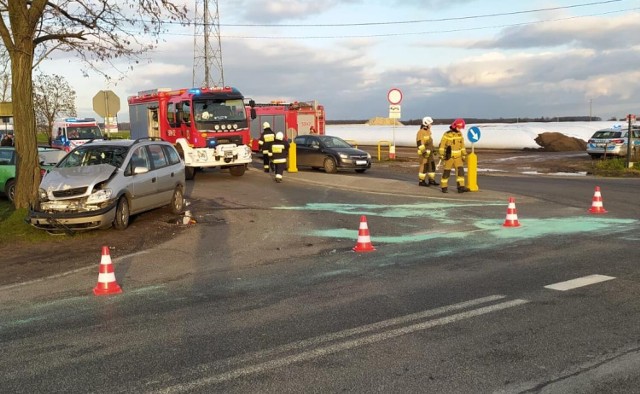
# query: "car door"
(302, 151)
(165, 174)
(144, 184)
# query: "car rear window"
(607, 134)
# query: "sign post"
(395, 98)
(107, 104)
(473, 134)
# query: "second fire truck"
(208, 126)
(293, 119)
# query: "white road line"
(579, 282)
(306, 343)
(338, 347)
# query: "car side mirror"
(140, 170)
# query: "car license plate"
(600, 145)
(361, 162)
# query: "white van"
(68, 133)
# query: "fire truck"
(67, 133)
(293, 119)
(208, 126)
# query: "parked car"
(612, 141)
(103, 183)
(330, 153)
(8, 158)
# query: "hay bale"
(379, 121)
(558, 142)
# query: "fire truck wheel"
(177, 201)
(237, 170)
(122, 214)
(189, 173)
(330, 165)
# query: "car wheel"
(177, 201)
(10, 189)
(361, 170)
(330, 165)
(237, 170)
(122, 214)
(189, 173)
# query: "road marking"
(341, 346)
(579, 282)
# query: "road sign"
(106, 103)
(394, 111)
(473, 134)
(394, 96)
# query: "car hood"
(349, 151)
(72, 177)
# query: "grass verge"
(616, 167)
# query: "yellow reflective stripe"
(269, 138)
(277, 148)
(278, 161)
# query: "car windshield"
(91, 155)
(84, 133)
(607, 134)
(219, 111)
(334, 142)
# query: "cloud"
(591, 32)
(272, 11)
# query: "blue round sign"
(473, 134)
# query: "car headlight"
(368, 155)
(42, 195)
(99, 196)
(344, 156)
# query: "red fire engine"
(208, 126)
(297, 118)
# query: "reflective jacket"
(455, 140)
(279, 150)
(266, 139)
(424, 141)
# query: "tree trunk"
(25, 133)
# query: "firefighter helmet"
(427, 121)
(279, 135)
(266, 125)
(458, 124)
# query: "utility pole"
(207, 46)
(590, 109)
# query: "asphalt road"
(264, 294)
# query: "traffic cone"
(364, 240)
(106, 278)
(512, 214)
(596, 204)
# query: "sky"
(450, 58)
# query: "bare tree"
(98, 31)
(52, 97)
(5, 75)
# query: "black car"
(330, 153)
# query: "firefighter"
(453, 153)
(280, 150)
(265, 141)
(426, 153)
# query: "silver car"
(103, 183)
(612, 141)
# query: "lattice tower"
(207, 46)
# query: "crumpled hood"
(74, 177)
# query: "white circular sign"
(394, 96)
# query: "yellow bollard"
(472, 177)
(293, 165)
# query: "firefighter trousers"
(458, 164)
(427, 168)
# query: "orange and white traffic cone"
(596, 204)
(106, 278)
(364, 240)
(512, 214)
